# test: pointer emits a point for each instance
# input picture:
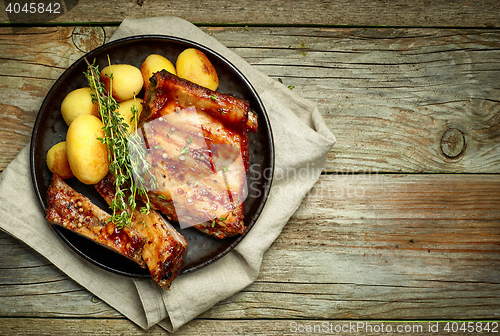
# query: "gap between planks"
(216, 327)
(297, 12)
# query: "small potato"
(194, 66)
(125, 110)
(154, 63)
(57, 161)
(87, 156)
(76, 103)
(127, 81)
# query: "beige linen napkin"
(302, 141)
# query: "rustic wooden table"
(404, 223)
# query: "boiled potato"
(57, 160)
(87, 156)
(125, 111)
(154, 63)
(76, 103)
(194, 66)
(127, 81)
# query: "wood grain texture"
(448, 13)
(367, 243)
(359, 247)
(389, 95)
(208, 327)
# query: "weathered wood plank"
(27, 277)
(96, 327)
(52, 327)
(31, 62)
(449, 13)
(389, 95)
(372, 247)
(309, 296)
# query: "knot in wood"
(88, 38)
(452, 143)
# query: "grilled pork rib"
(198, 146)
(163, 247)
(72, 210)
(150, 241)
(167, 92)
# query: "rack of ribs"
(151, 241)
(198, 147)
(163, 247)
(72, 210)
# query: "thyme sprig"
(126, 152)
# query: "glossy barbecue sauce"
(197, 154)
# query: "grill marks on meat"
(198, 146)
(72, 210)
(163, 247)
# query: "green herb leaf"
(128, 178)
